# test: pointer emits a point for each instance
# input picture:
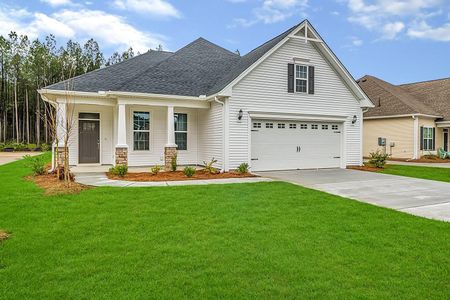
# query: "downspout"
(216, 99)
(415, 137)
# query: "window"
(281, 126)
(325, 127)
(269, 125)
(256, 125)
(428, 138)
(180, 130)
(314, 126)
(303, 126)
(301, 79)
(334, 127)
(141, 130)
(292, 126)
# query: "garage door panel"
(301, 145)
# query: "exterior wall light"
(355, 118)
(240, 114)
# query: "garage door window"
(256, 125)
(325, 127)
(269, 125)
(303, 126)
(314, 126)
(281, 126)
(292, 126)
(334, 127)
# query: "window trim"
(180, 131)
(150, 131)
(305, 79)
(429, 146)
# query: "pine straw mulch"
(365, 168)
(177, 176)
(436, 160)
(53, 186)
(3, 235)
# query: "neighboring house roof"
(394, 100)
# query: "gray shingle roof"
(200, 68)
(112, 77)
(391, 100)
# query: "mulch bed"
(422, 160)
(53, 186)
(176, 176)
(3, 235)
(365, 168)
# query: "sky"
(396, 40)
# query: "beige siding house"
(409, 120)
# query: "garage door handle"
(299, 148)
(254, 159)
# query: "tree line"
(27, 66)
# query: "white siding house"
(288, 104)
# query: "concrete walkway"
(7, 157)
(405, 163)
(100, 179)
(426, 198)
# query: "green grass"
(262, 240)
(432, 173)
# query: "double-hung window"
(141, 130)
(301, 78)
(428, 139)
(181, 131)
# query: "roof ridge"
(215, 45)
(424, 81)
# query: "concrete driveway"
(426, 198)
(7, 157)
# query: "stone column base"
(122, 156)
(169, 154)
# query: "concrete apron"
(100, 179)
(420, 197)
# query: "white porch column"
(170, 150)
(61, 115)
(170, 127)
(121, 151)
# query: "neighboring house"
(413, 119)
(287, 104)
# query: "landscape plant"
(189, 171)
(378, 159)
(209, 168)
(119, 170)
(173, 163)
(36, 164)
(155, 169)
(243, 168)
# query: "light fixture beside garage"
(240, 114)
(355, 118)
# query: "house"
(287, 104)
(408, 120)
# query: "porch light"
(240, 114)
(355, 118)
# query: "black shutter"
(421, 138)
(310, 80)
(290, 78)
(434, 139)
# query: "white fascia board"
(403, 116)
(165, 102)
(296, 117)
(157, 96)
(71, 93)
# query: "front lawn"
(432, 173)
(261, 240)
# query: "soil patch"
(176, 176)
(53, 186)
(422, 160)
(365, 168)
(3, 235)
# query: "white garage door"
(285, 145)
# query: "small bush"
(36, 164)
(378, 159)
(119, 170)
(431, 156)
(45, 147)
(243, 168)
(209, 166)
(189, 171)
(173, 163)
(155, 170)
(19, 147)
(31, 147)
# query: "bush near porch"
(261, 240)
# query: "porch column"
(61, 120)
(170, 150)
(121, 151)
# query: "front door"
(446, 140)
(89, 141)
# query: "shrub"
(378, 159)
(45, 147)
(31, 147)
(189, 171)
(173, 163)
(209, 166)
(19, 147)
(155, 170)
(431, 156)
(243, 168)
(36, 164)
(119, 170)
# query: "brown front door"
(89, 141)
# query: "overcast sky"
(398, 41)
